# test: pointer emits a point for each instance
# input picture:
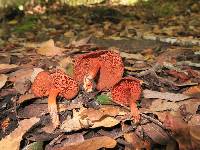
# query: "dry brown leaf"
(161, 105)
(22, 86)
(105, 122)
(81, 119)
(91, 144)
(76, 123)
(12, 141)
(132, 56)
(69, 34)
(135, 141)
(3, 79)
(81, 42)
(156, 133)
(20, 75)
(180, 130)
(165, 95)
(5, 68)
(35, 73)
(95, 115)
(25, 97)
(48, 48)
(194, 131)
(194, 90)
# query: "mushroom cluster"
(52, 85)
(101, 70)
(106, 68)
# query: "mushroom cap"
(126, 89)
(68, 87)
(109, 64)
(42, 84)
(111, 70)
(85, 64)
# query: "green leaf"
(104, 99)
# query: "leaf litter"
(169, 104)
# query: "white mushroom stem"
(52, 107)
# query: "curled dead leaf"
(91, 144)
(12, 141)
(165, 95)
(5, 68)
(3, 79)
(48, 48)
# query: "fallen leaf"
(105, 122)
(81, 42)
(156, 133)
(193, 91)
(180, 130)
(22, 86)
(69, 34)
(75, 123)
(32, 110)
(165, 95)
(3, 79)
(194, 131)
(159, 105)
(20, 75)
(132, 56)
(104, 99)
(25, 97)
(5, 68)
(95, 115)
(135, 141)
(91, 144)
(35, 73)
(48, 48)
(91, 118)
(189, 63)
(12, 141)
(182, 76)
(34, 146)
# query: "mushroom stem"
(52, 107)
(88, 80)
(134, 110)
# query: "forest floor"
(159, 44)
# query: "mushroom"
(86, 67)
(111, 70)
(108, 64)
(126, 92)
(53, 84)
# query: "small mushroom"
(53, 84)
(126, 92)
(104, 67)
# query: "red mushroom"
(86, 67)
(126, 92)
(53, 84)
(111, 70)
(109, 65)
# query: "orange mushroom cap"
(42, 84)
(67, 86)
(108, 63)
(85, 64)
(126, 92)
(111, 70)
